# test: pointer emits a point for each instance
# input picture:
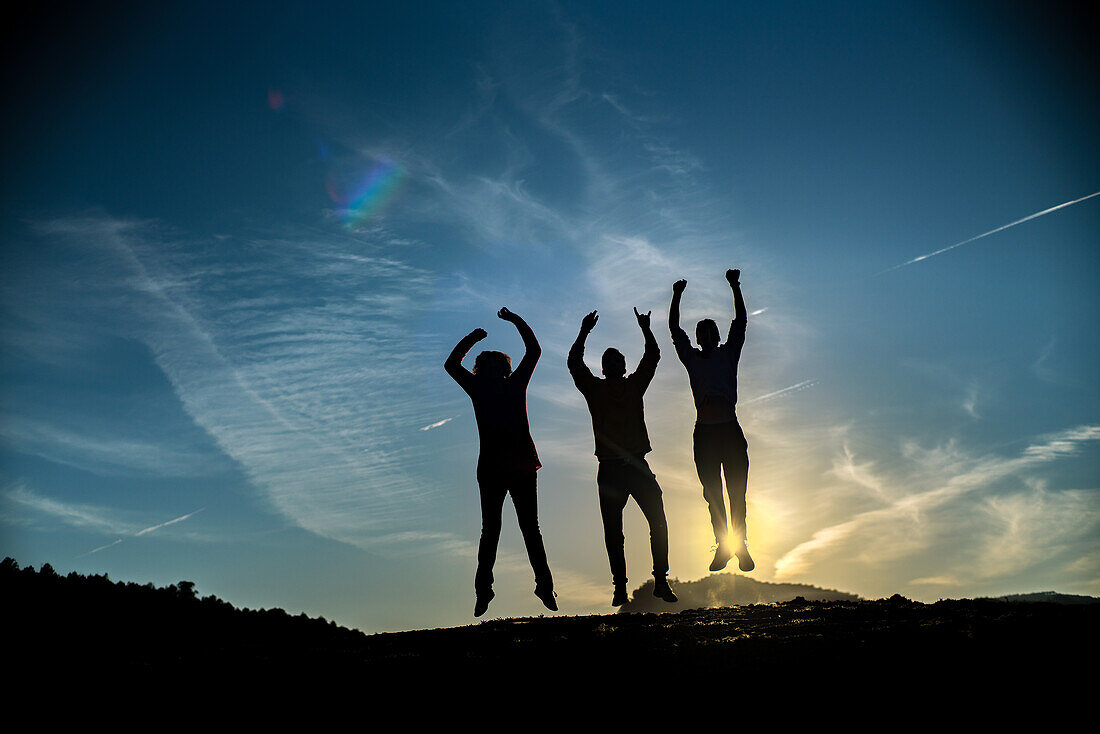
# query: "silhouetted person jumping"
(720, 443)
(618, 423)
(508, 461)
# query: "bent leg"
(524, 491)
(612, 501)
(647, 493)
(708, 464)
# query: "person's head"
(706, 333)
(493, 365)
(614, 363)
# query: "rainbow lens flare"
(364, 195)
(275, 100)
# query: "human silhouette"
(508, 462)
(719, 442)
(618, 424)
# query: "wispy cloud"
(1028, 218)
(94, 518)
(78, 515)
(908, 522)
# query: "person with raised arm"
(719, 442)
(508, 462)
(618, 424)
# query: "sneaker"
(722, 556)
(482, 602)
(545, 593)
(744, 560)
(662, 590)
(620, 595)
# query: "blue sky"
(238, 244)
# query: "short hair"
(611, 354)
(707, 325)
(488, 357)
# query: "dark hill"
(1049, 597)
(728, 590)
(72, 634)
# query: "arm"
(531, 346)
(648, 366)
(679, 338)
(740, 314)
(453, 365)
(582, 376)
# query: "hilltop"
(727, 590)
(92, 628)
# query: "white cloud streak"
(992, 231)
(785, 391)
(181, 518)
(437, 424)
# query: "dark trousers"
(617, 480)
(721, 447)
(522, 486)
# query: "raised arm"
(740, 314)
(679, 338)
(453, 365)
(532, 350)
(648, 366)
(582, 376)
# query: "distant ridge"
(1048, 597)
(727, 590)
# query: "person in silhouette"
(618, 424)
(508, 462)
(719, 442)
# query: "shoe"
(620, 596)
(482, 602)
(546, 595)
(662, 590)
(744, 560)
(722, 556)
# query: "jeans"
(617, 480)
(522, 486)
(722, 447)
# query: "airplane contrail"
(992, 231)
(170, 522)
(149, 529)
(437, 424)
(97, 550)
(793, 388)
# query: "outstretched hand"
(589, 322)
(679, 286)
(733, 275)
(643, 318)
(507, 315)
(477, 335)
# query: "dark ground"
(77, 628)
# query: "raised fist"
(477, 334)
(733, 276)
(507, 315)
(679, 286)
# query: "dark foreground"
(80, 628)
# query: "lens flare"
(361, 196)
(275, 100)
